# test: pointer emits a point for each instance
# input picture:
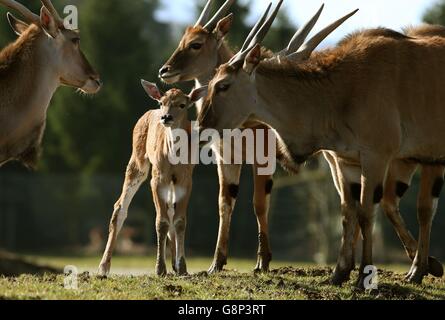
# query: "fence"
(69, 213)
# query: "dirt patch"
(303, 272)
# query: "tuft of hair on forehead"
(174, 93)
(196, 30)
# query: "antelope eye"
(196, 46)
(222, 87)
(182, 106)
(75, 40)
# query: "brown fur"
(334, 101)
(21, 50)
(151, 155)
(13, 58)
(28, 81)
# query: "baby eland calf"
(171, 184)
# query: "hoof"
(218, 263)
(435, 268)
(215, 268)
(104, 270)
(416, 275)
(360, 283)
(263, 262)
(181, 270)
(339, 277)
(161, 270)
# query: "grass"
(134, 281)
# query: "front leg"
(229, 176)
(347, 181)
(162, 227)
(261, 201)
(374, 170)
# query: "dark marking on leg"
(180, 226)
(269, 186)
(264, 251)
(378, 194)
(182, 268)
(174, 179)
(437, 187)
(356, 191)
(233, 190)
(175, 205)
(162, 227)
(401, 189)
(174, 264)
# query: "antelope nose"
(167, 118)
(164, 70)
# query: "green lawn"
(136, 281)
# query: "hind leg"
(180, 225)
(430, 187)
(134, 177)
(398, 181)
(172, 245)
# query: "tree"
(436, 14)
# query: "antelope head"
(197, 53)
(232, 97)
(173, 104)
(59, 46)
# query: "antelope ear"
(198, 93)
(223, 26)
(18, 26)
(252, 60)
(152, 90)
(48, 23)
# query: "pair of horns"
(208, 23)
(297, 49)
(257, 34)
(30, 16)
